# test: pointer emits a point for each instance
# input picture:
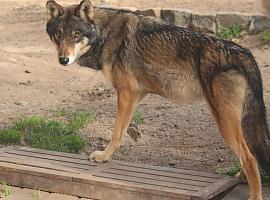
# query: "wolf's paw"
(99, 156)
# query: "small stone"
(235, 40)
(179, 18)
(259, 24)
(27, 72)
(134, 132)
(172, 164)
(225, 20)
(220, 160)
(21, 103)
(99, 94)
(176, 126)
(204, 23)
(149, 12)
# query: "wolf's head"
(71, 29)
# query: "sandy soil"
(32, 82)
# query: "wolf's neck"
(91, 58)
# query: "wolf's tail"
(254, 123)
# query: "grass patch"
(51, 134)
(36, 195)
(80, 118)
(5, 190)
(231, 171)
(10, 136)
(265, 36)
(138, 118)
(236, 168)
(231, 32)
(60, 112)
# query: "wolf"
(141, 55)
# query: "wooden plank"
(35, 171)
(92, 191)
(4, 149)
(76, 166)
(167, 169)
(49, 157)
(219, 187)
(24, 194)
(47, 152)
(150, 182)
(109, 182)
(90, 188)
(189, 181)
(181, 174)
(55, 196)
(239, 192)
(114, 180)
(42, 165)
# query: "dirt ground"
(205, 6)
(32, 82)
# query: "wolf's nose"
(64, 60)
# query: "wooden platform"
(17, 193)
(74, 175)
(239, 192)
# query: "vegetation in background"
(236, 168)
(36, 195)
(56, 134)
(231, 32)
(10, 136)
(231, 171)
(265, 36)
(138, 118)
(265, 178)
(5, 190)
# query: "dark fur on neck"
(91, 58)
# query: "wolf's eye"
(76, 34)
(58, 34)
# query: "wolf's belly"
(173, 81)
(184, 91)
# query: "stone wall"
(209, 23)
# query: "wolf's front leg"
(127, 102)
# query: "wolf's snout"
(64, 60)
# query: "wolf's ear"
(85, 10)
(53, 10)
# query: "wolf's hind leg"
(227, 103)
